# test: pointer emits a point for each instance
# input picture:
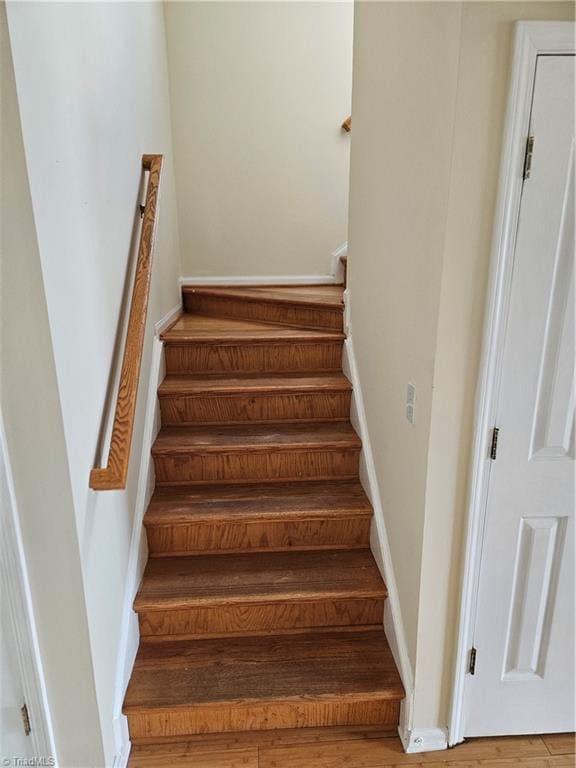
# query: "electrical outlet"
(410, 403)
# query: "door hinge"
(528, 157)
(472, 662)
(494, 443)
(25, 720)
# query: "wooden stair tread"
(257, 502)
(189, 384)
(244, 670)
(259, 577)
(197, 328)
(255, 438)
(304, 295)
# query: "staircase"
(261, 605)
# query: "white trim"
(260, 280)
(531, 40)
(168, 318)
(393, 624)
(425, 740)
(336, 265)
(138, 554)
(14, 577)
(342, 250)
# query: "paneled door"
(523, 679)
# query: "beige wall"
(34, 432)
(403, 107)
(429, 95)
(258, 93)
(92, 85)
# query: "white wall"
(93, 94)
(429, 94)
(30, 408)
(259, 91)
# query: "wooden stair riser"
(295, 315)
(258, 536)
(261, 717)
(254, 408)
(250, 618)
(255, 357)
(273, 466)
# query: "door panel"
(524, 631)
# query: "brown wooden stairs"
(261, 605)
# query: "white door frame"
(15, 589)
(532, 38)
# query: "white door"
(26, 735)
(523, 680)
(14, 741)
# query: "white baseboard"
(168, 318)
(233, 280)
(393, 624)
(121, 756)
(138, 553)
(338, 269)
(425, 740)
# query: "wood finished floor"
(347, 748)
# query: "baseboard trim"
(168, 318)
(338, 269)
(393, 623)
(123, 748)
(138, 553)
(424, 740)
(261, 280)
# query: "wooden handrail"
(113, 476)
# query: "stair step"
(262, 683)
(319, 306)
(188, 399)
(196, 344)
(196, 328)
(231, 518)
(250, 453)
(259, 592)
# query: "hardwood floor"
(347, 748)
